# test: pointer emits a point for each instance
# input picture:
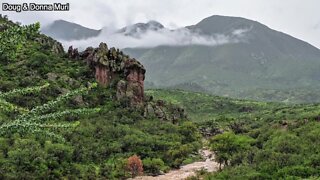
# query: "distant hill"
(264, 60)
(65, 30)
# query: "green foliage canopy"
(15, 37)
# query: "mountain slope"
(65, 30)
(241, 58)
(262, 59)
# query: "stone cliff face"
(135, 75)
(126, 75)
(113, 68)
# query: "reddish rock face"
(135, 79)
(102, 74)
(135, 75)
(111, 64)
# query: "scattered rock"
(73, 53)
(52, 76)
(164, 112)
(53, 45)
(78, 100)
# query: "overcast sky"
(299, 18)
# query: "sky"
(299, 18)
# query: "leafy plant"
(38, 119)
(154, 166)
(15, 37)
(226, 145)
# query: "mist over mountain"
(137, 29)
(229, 56)
(150, 34)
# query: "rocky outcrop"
(51, 44)
(163, 111)
(113, 68)
(135, 75)
(126, 75)
(73, 53)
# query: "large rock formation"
(126, 75)
(114, 69)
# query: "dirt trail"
(188, 170)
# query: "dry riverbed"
(187, 170)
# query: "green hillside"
(259, 140)
(96, 148)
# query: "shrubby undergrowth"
(255, 140)
(100, 145)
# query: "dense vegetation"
(251, 140)
(256, 140)
(100, 145)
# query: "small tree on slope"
(135, 166)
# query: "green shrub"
(296, 171)
(154, 166)
(227, 145)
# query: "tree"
(226, 145)
(154, 166)
(135, 166)
(38, 120)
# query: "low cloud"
(179, 37)
(294, 17)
